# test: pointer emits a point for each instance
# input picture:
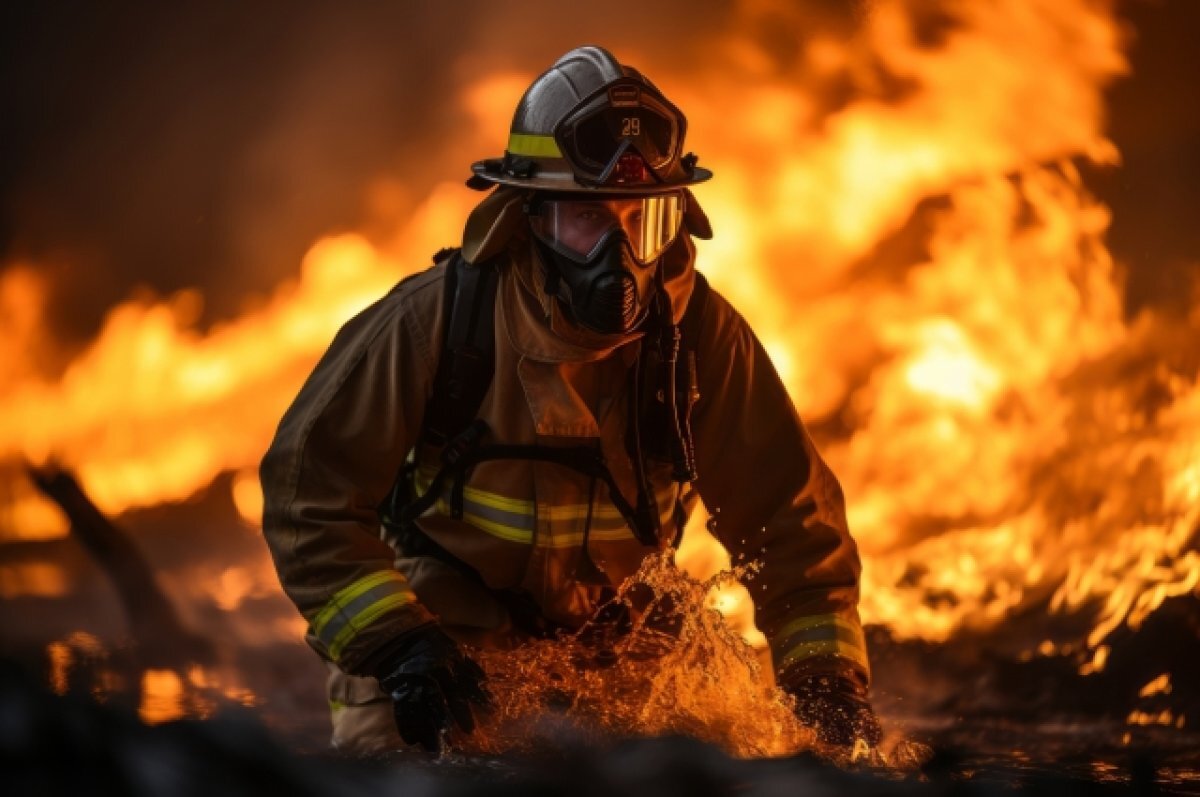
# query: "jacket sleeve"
(775, 501)
(334, 458)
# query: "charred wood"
(162, 639)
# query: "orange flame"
(994, 458)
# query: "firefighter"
(481, 455)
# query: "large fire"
(1004, 434)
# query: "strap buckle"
(464, 442)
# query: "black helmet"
(590, 123)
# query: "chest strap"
(465, 452)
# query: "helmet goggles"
(578, 226)
(622, 116)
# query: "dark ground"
(997, 717)
(73, 745)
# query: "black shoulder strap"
(689, 327)
(468, 358)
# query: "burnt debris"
(160, 637)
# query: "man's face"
(605, 249)
(582, 223)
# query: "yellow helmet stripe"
(533, 146)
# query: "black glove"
(432, 684)
(835, 706)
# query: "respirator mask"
(602, 253)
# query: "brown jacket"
(349, 431)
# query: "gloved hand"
(433, 685)
(835, 706)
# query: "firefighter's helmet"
(590, 123)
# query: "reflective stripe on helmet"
(821, 635)
(531, 145)
(357, 606)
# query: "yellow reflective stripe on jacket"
(473, 495)
(533, 146)
(513, 519)
(606, 529)
(600, 512)
(357, 606)
(821, 635)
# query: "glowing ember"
(78, 649)
(1164, 717)
(162, 697)
(1159, 686)
(1097, 662)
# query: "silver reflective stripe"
(357, 606)
(514, 519)
(821, 635)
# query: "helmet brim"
(565, 181)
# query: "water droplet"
(643, 666)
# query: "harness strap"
(584, 459)
(468, 359)
(646, 514)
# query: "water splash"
(656, 660)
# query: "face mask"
(602, 254)
(610, 294)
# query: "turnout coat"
(357, 419)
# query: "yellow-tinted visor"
(578, 227)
